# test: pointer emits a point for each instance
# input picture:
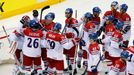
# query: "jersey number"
(35, 43)
(51, 43)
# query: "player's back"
(115, 40)
(89, 27)
(117, 36)
(119, 68)
(32, 39)
(94, 48)
(109, 29)
(54, 41)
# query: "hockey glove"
(102, 58)
(35, 13)
(17, 33)
(126, 29)
(122, 46)
(124, 54)
(115, 21)
(82, 43)
(94, 69)
(99, 41)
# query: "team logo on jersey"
(1, 5)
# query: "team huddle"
(41, 42)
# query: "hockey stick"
(99, 61)
(75, 14)
(7, 36)
(85, 71)
(44, 8)
(96, 65)
(12, 51)
(75, 56)
(6, 33)
(67, 58)
(64, 29)
(13, 47)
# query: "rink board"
(10, 8)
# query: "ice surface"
(81, 6)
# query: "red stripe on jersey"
(54, 36)
(3, 37)
(131, 49)
(89, 26)
(117, 35)
(94, 48)
(31, 33)
(120, 64)
(109, 29)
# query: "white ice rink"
(81, 6)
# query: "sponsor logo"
(1, 6)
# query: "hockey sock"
(18, 54)
(91, 73)
(80, 55)
(45, 64)
(85, 63)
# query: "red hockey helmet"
(25, 19)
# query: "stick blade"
(46, 7)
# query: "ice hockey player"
(19, 41)
(126, 19)
(24, 23)
(96, 19)
(48, 23)
(119, 67)
(113, 11)
(71, 31)
(56, 42)
(93, 54)
(88, 28)
(129, 52)
(115, 47)
(35, 15)
(31, 47)
(108, 30)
